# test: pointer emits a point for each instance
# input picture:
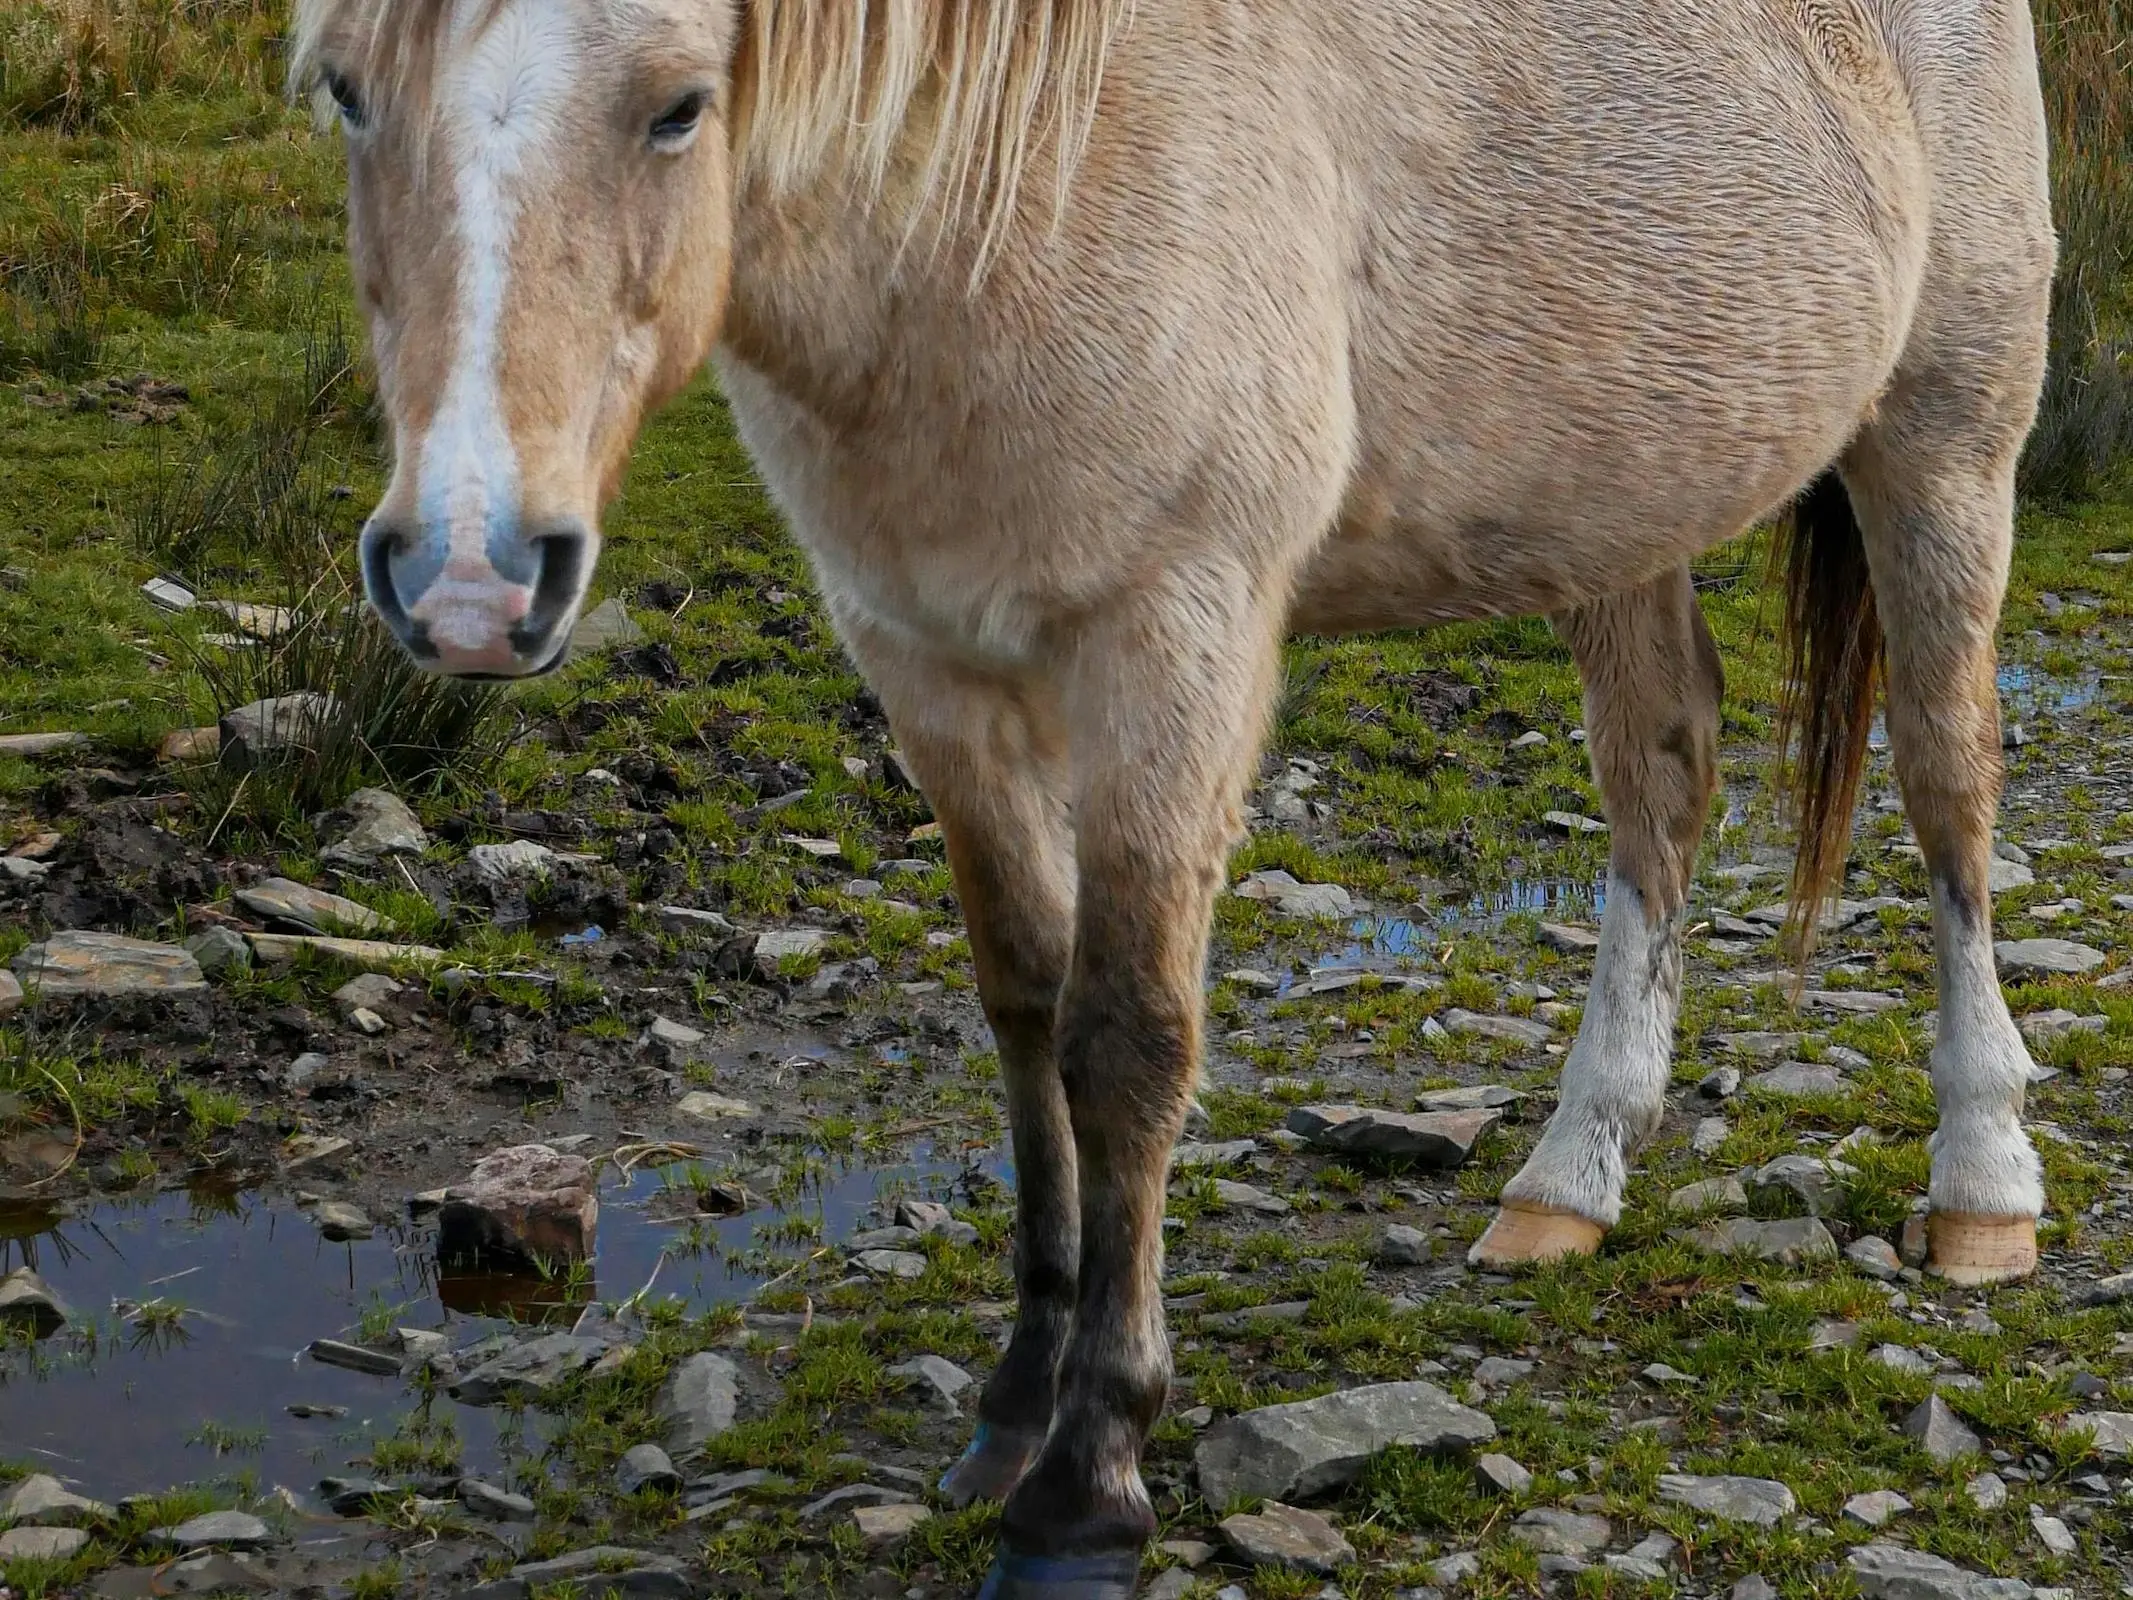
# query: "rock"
(492, 1504)
(10, 995)
(1440, 1139)
(2112, 1431)
(1294, 899)
(353, 1358)
(1499, 1474)
(290, 722)
(1940, 1432)
(2053, 1534)
(526, 1203)
(1477, 1097)
(356, 1497)
(42, 1544)
(1191, 1553)
(1511, 1030)
(311, 910)
(1711, 1194)
(1761, 1046)
(1832, 918)
(1567, 940)
(1571, 822)
(1912, 1241)
(1900, 1358)
(373, 955)
(1753, 1587)
(885, 1525)
(1173, 1583)
(1790, 1242)
(1763, 1502)
(218, 949)
(1461, 1566)
(646, 1466)
(261, 622)
(1796, 1078)
(705, 1106)
(1710, 1135)
(27, 1301)
(107, 966)
(1830, 1333)
(2046, 958)
(1402, 1246)
(189, 744)
(1245, 1197)
(1805, 1179)
(1667, 1377)
(1288, 1538)
(1257, 982)
(516, 861)
(228, 1530)
(1876, 1258)
(1873, 1509)
(43, 1498)
(890, 1263)
(1552, 1530)
(939, 1380)
(340, 1222)
(688, 920)
(378, 824)
(1186, 1157)
(1494, 1371)
(774, 948)
(1250, 1317)
(932, 1220)
(529, 1369)
(1987, 1491)
(701, 1398)
(2041, 1027)
(26, 745)
(170, 594)
(2003, 876)
(309, 1149)
(1721, 1083)
(367, 992)
(607, 626)
(1851, 1002)
(1313, 1447)
(1897, 1572)
(594, 1574)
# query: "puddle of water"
(1379, 941)
(2026, 692)
(123, 1412)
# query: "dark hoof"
(1107, 1577)
(992, 1466)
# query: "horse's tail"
(1833, 667)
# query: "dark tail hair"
(1834, 664)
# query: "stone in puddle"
(1763, 1502)
(1790, 1242)
(1897, 1572)
(353, 1358)
(42, 1544)
(107, 966)
(1312, 1447)
(885, 1525)
(527, 1202)
(492, 1504)
(1552, 1530)
(701, 1398)
(340, 1222)
(230, 1530)
(311, 910)
(1246, 1197)
(1284, 1536)
(2046, 957)
(646, 1466)
(935, 1221)
(378, 824)
(529, 1369)
(1440, 1139)
(43, 1498)
(1940, 1432)
(1294, 899)
(27, 1301)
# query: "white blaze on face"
(501, 110)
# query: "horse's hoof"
(1522, 1235)
(1972, 1250)
(1104, 1577)
(992, 1466)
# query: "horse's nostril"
(562, 556)
(377, 547)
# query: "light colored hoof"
(1972, 1250)
(1524, 1234)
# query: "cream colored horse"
(1092, 347)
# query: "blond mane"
(940, 105)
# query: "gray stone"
(1791, 1242)
(1440, 1139)
(1711, 1194)
(107, 966)
(2108, 1291)
(2003, 876)
(853, 1494)
(1294, 899)
(11, 994)
(1510, 1030)
(1477, 1097)
(1762, 1501)
(1940, 1432)
(310, 910)
(1185, 1157)
(1568, 940)
(2042, 1027)
(1832, 1334)
(228, 1530)
(2052, 1533)
(1721, 1083)
(290, 722)
(219, 949)
(377, 824)
(1252, 979)
(492, 1504)
(353, 1358)
(43, 1498)
(704, 1106)
(1901, 1358)
(701, 1398)
(1875, 1257)
(607, 626)
(1710, 1135)
(1987, 1491)
(1573, 822)
(1313, 1447)
(1499, 1474)
(1897, 1572)
(1872, 1509)
(530, 1369)
(1761, 1046)
(782, 944)
(2046, 957)
(2112, 1430)
(1402, 1246)
(341, 1222)
(939, 1380)
(1288, 1538)
(369, 955)
(687, 919)
(355, 1497)
(1753, 1587)
(598, 1572)
(890, 1263)
(516, 861)
(28, 745)
(1851, 1002)
(887, 1525)
(42, 1544)
(526, 1202)
(1552, 1530)
(646, 1467)
(1796, 1078)
(1805, 1179)
(27, 1301)
(1461, 1566)
(1493, 1371)
(932, 1220)
(1667, 1377)
(367, 991)
(1172, 1583)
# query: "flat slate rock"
(600, 1570)
(27, 1301)
(1510, 1030)
(1897, 1572)
(700, 1401)
(1939, 1432)
(1313, 1447)
(1441, 1139)
(2047, 957)
(231, 1530)
(1567, 939)
(1294, 899)
(370, 955)
(2113, 1431)
(42, 1544)
(1289, 1538)
(108, 966)
(1796, 1078)
(1479, 1097)
(312, 910)
(532, 1368)
(1763, 1502)
(1555, 1531)
(43, 1498)
(1789, 1242)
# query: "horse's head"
(539, 204)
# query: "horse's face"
(539, 207)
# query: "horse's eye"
(345, 96)
(674, 125)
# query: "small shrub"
(50, 324)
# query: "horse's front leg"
(1652, 690)
(990, 756)
(1166, 697)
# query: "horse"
(1093, 347)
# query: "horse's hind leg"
(1652, 690)
(991, 759)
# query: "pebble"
(266, 727)
(1875, 1257)
(1573, 822)
(1509, 1030)
(373, 824)
(1987, 1491)
(231, 1530)
(1940, 1432)
(1711, 1134)
(1805, 1179)
(27, 1301)
(1764, 1502)
(340, 1222)
(940, 1381)
(1287, 1537)
(1794, 1079)
(353, 1358)
(492, 1504)
(1402, 1246)
(1898, 1358)
(888, 1524)
(2052, 1533)
(1872, 1509)
(705, 1106)
(1753, 1587)
(646, 1467)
